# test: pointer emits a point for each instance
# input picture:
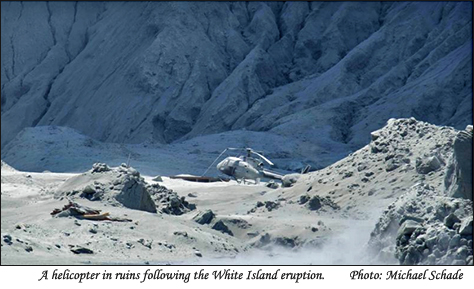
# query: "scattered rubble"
(82, 212)
(268, 205)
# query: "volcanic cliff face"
(324, 72)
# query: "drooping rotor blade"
(264, 158)
(272, 175)
(235, 149)
(214, 161)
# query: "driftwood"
(83, 212)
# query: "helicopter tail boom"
(271, 175)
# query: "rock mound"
(123, 186)
(168, 201)
(424, 227)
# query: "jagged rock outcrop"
(324, 72)
(458, 179)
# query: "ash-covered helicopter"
(246, 166)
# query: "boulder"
(204, 217)
(157, 179)
(270, 205)
(100, 168)
(450, 220)
(427, 165)
(81, 250)
(272, 185)
(304, 199)
(289, 180)
(407, 228)
(392, 164)
(466, 227)
(220, 226)
(314, 203)
(134, 195)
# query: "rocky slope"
(323, 72)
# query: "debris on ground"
(82, 212)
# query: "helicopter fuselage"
(240, 168)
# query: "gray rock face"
(458, 179)
(167, 71)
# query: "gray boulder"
(314, 203)
(100, 168)
(134, 195)
(427, 165)
(157, 179)
(220, 226)
(204, 217)
(289, 180)
(407, 228)
(450, 220)
(466, 227)
(272, 185)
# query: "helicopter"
(248, 166)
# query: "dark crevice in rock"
(21, 10)
(67, 48)
(53, 30)
(13, 56)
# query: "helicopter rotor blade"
(264, 158)
(214, 161)
(234, 149)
